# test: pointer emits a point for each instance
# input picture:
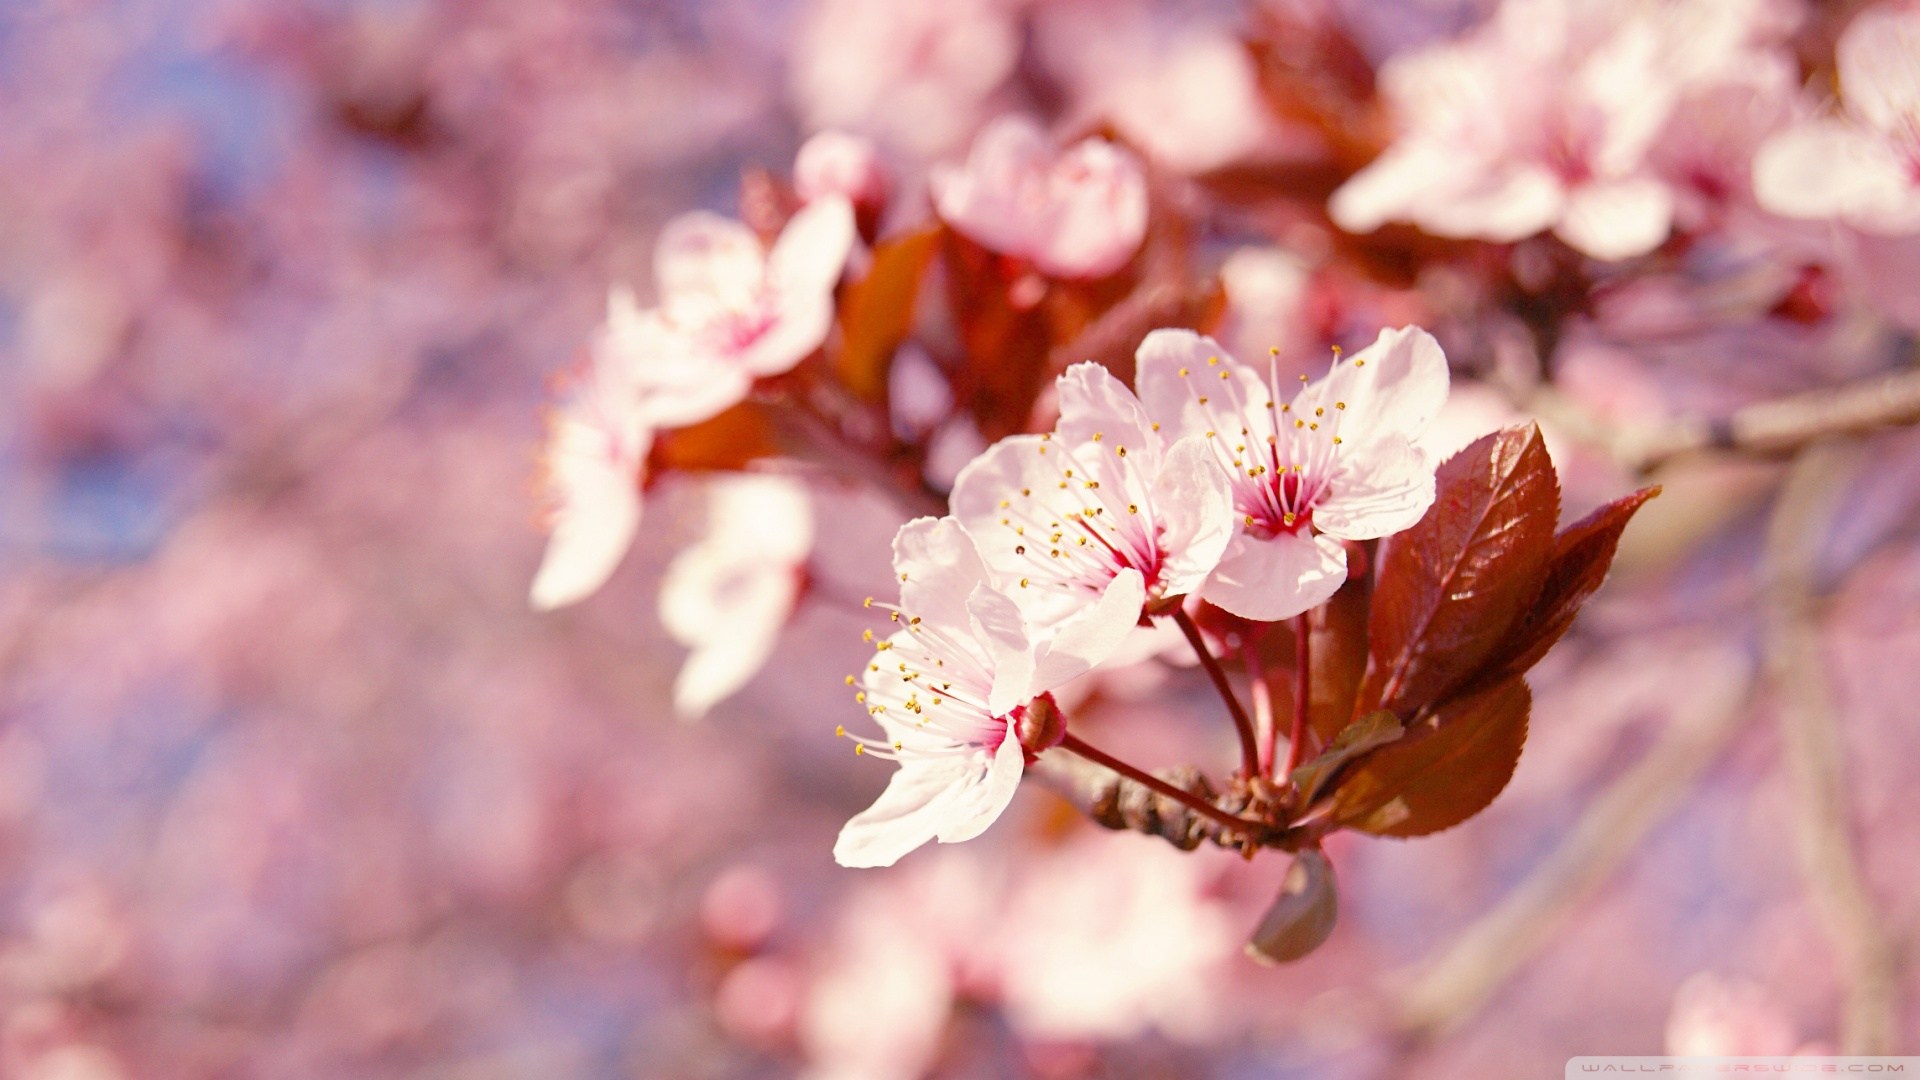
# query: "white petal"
(1384, 492)
(981, 803)
(1617, 220)
(596, 477)
(1269, 580)
(1879, 61)
(812, 250)
(1506, 203)
(1389, 188)
(938, 568)
(800, 328)
(1829, 168)
(919, 802)
(1194, 505)
(1393, 387)
(997, 621)
(1156, 373)
(1089, 639)
(1093, 402)
(712, 673)
(705, 256)
(1101, 211)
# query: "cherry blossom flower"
(1863, 164)
(596, 448)
(834, 163)
(728, 596)
(1080, 214)
(730, 310)
(1338, 462)
(1062, 517)
(1544, 118)
(953, 687)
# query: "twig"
(1766, 428)
(1249, 751)
(1815, 749)
(1147, 780)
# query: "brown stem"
(1146, 779)
(1262, 690)
(1249, 751)
(1302, 695)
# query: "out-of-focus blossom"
(834, 163)
(1078, 214)
(1544, 118)
(1340, 461)
(730, 310)
(1720, 1017)
(915, 77)
(1062, 518)
(728, 596)
(595, 450)
(1861, 165)
(1177, 83)
(953, 687)
(1266, 291)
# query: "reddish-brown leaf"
(728, 441)
(877, 312)
(1370, 732)
(1443, 771)
(1302, 916)
(1449, 588)
(1581, 555)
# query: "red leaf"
(1449, 588)
(1337, 656)
(726, 442)
(877, 312)
(1581, 555)
(1445, 770)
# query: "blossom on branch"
(1081, 214)
(1339, 461)
(1863, 164)
(954, 688)
(731, 311)
(1062, 517)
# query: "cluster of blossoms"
(1210, 485)
(1011, 342)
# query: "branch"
(1815, 748)
(1763, 429)
(1197, 802)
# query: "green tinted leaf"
(1303, 915)
(1374, 730)
(1443, 771)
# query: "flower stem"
(1146, 779)
(1302, 691)
(1262, 691)
(1249, 752)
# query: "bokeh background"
(293, 784)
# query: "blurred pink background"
(293, 784)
